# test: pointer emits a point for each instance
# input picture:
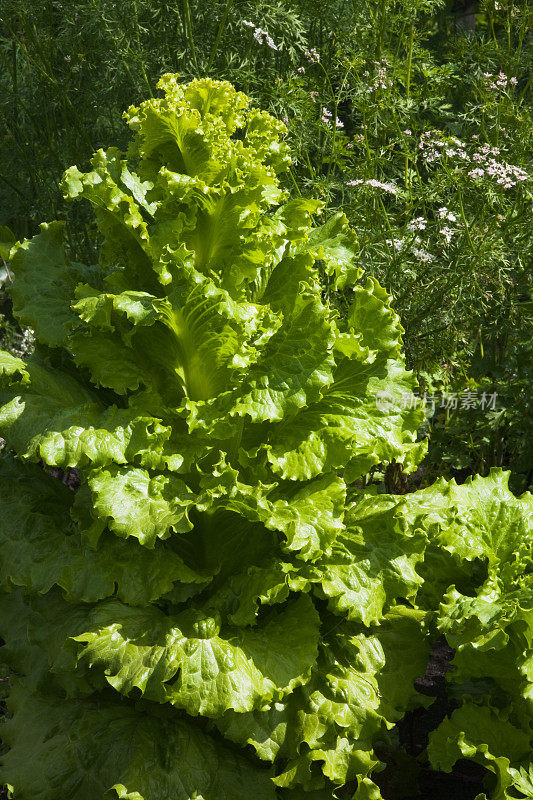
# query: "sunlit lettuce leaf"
(309, 514)
(372, 563)
(361, 418)
(186, 659)
(133, 503)
(335, 243)
(47, 414)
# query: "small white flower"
(312, 56)
(387, 187)
(447, 233)
(417, 224)
(396, 243)
(422, 255)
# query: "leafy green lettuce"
(216, 611)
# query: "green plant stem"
(465, 223)
(139, 49)
(220, 31)
(188, 29)
(408, 92)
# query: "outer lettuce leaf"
(310, 514)
(372, 563)
(188, 661)
(87, 749)
(336, 244)
(360, 686)
(49, 415)
(133, 503)
(119, 217)
(485, 520)
(42, 262)
(40, 547)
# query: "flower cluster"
(434, 145)
(312, 55)
(260, 35)
(380, 79)
(414, 248)
(387, 187)
(480, 163)
(443, 213)
(398, 244)
(505, 174)
(326, 117)
(422, 255)
(417, 224)
(447, 232)
(499, 82)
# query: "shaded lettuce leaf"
(310, 515)
(362, 684)
(87, 749)
(40, 547)
(487, 737)
(42, 262)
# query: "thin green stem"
(465, 223)
(408, 93)
(189, 33)
(139, 49)
(220, 31)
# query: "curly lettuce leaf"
(350, 427)
(188, 660)
(361, 685)
(42, 262)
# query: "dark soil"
(396, 782)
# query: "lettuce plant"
(218, 612)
